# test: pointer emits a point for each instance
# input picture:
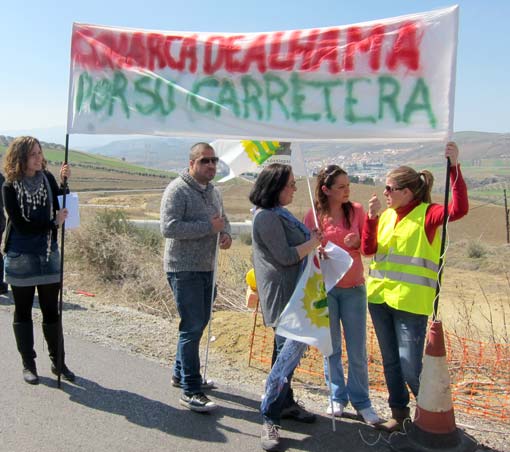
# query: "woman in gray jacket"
(280, 243)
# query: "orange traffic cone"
(434, 425)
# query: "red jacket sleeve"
(457, 208)
(369, 236)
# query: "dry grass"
(476, 305)
(142, 206)
(119, 261)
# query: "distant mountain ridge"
(172, 153)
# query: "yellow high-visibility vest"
(403, 272)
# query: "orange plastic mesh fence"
(479, 372)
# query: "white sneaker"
(337, 409)
(369, 416)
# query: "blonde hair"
(16, 158)
(420, 183)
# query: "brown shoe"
(398, 416)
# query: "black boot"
(51, 335)
(24, 334)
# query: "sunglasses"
(207, 160)
(390, 189)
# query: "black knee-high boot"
(50, 331)
(24, 334)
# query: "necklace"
(32, 193)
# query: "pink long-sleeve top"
(457, 208)
(335, 233)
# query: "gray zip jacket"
(186, 210)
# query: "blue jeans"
(401, 337)
(279, 342)
(192, 294)
(277, 383)
(349, 306)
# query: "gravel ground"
(122, 327)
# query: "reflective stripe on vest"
(404, 277)
(403, 273)
(407, 260)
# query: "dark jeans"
(24, 300)
(192, 294)
(2, 229)
(401, 337)
(2, 279)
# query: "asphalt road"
(122, 402)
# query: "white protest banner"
(389, 79)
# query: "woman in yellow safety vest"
(401, 285)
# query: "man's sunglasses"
(207, 160)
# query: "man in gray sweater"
(192, 216)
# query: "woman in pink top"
(341, 222)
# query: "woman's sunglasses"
(391, 189)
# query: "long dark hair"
(269, 184)
(326, 177)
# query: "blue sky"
(35, 37)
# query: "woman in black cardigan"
(32, 258)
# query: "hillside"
(485, 158)
(477, 148)
(166, 153)
(97, 172)
(485, 161)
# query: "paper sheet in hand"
(335, 266)
(72, 205)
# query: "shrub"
(127, 261)
(475, 250)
